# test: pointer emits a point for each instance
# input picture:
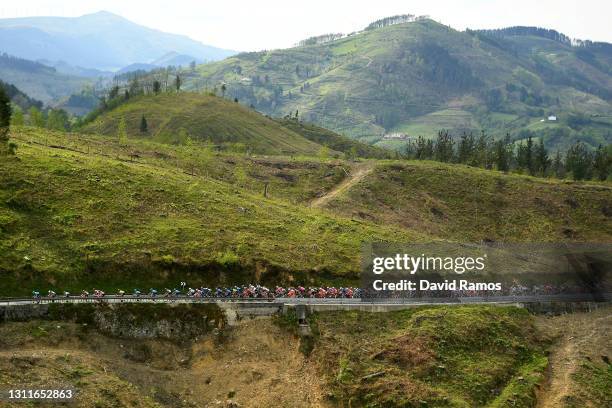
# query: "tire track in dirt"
(358, 173)
(582, 332)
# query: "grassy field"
(454, 120)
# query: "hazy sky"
(266, 24)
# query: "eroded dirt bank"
(254, 364)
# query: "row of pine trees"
(527, 157)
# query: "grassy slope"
(295, 179)
(467, 204)
(64, 213)
(204, 118)
(387, 73)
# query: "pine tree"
(481, 157)
(525, 156)
(37, 118)
(578, 161)
(5, 121)
(542, 162)
(444, 147)
(5, 109)
(114, 92)
(17, 117)
(602, 163)
(144, 128)
(558, 167)
(529, 162)
(156, 87)
(177, 83)
(465, 151)
(424, 149)
(503, 154)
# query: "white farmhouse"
(395, 136)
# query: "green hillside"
(173, 117)
(418, 77)
(85, 210)
(334, 141)
(467, 204)
(78, 213)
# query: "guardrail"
(606, 297)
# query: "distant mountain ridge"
(19, 98)
(172, 58)
(102, 40)
(40, 81)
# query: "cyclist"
(153, 293)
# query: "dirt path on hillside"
(357, 174)
(582, 335)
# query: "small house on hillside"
(395, 136)
(552, 118)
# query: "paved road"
(607, 297)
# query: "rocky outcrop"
(175, 322)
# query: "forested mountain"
(19, 98)
(39, 81)
(100, 40)
(413, 76)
